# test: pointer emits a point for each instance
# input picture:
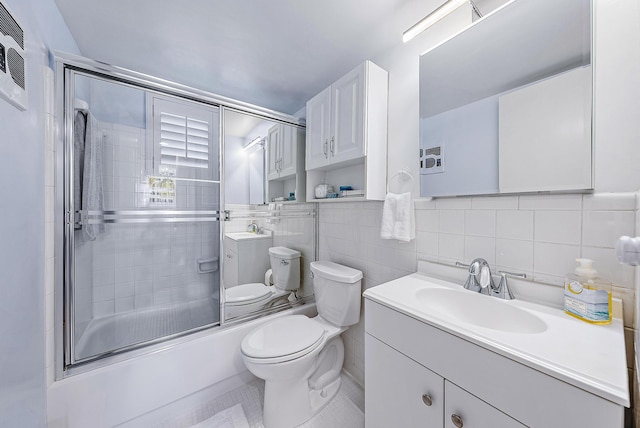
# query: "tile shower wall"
(139, 266)
(537, 235)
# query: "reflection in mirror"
(509, 114)
(269, 241)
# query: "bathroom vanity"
(438, 355)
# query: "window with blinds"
(184, 141)
(185, 138)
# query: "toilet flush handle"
(284, 262)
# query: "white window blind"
(184, 141)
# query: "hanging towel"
(79, 134)
(92, 191)
(398, 217)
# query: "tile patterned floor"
(346, 410)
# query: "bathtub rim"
(165, 343)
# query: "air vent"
(13, 84)
(9, 27)
(16, 67)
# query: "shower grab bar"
(155, 216)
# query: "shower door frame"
(66, 66)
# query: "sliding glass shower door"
(142, 203)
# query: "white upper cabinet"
(285, 163)
(347, 106)
(347, 133)
(318, 129)
(283, 151)
(274, 143)
(288, 151)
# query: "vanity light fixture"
(257, 140)
(435, 16)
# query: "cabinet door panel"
(288, 150)
(318, 129)
(473, 412)
(273, 147)
(348, 117)
(230, 268)
(395, 385)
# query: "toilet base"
(289, 403)
(302, 403)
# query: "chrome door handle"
(332, 145)
(324, 148)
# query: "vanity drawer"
(528, 395)
(400, 392)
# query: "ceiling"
(275, 54)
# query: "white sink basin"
(480, 310)
(240, 236)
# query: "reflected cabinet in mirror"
(269, 240)
(506, 105)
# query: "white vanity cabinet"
(469, 386)
(346, 139)
(246, 259)
(403, 393)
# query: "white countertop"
(590, 357)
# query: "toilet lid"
(283, 336)
(247, 293)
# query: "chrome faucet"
(253, 228)
(480, 280)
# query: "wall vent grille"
(16, 67)
(13, 60)
(9, 26)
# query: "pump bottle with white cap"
(587, 296)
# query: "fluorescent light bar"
(432, 18)
(253, 142)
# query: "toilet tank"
(285, 264)
(338, 290)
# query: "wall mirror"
(269, 220)
(506, 105)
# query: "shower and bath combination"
(139, 211)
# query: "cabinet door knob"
(457, 421)
(426, 399)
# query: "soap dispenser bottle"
(587, 296)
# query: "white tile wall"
(349, 234)
(539, 235)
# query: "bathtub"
(124, 391)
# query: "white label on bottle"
(575, 305)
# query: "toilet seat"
(247, 294)
(283, 339)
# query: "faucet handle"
(503, 291)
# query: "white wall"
(22, 221)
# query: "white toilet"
(247, 298)
(300, 358)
